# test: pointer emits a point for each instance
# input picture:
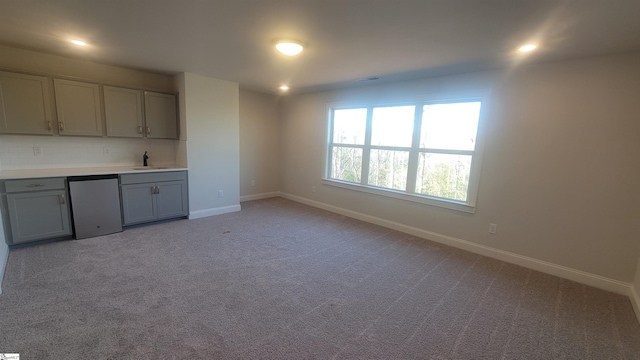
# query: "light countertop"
(80, 171)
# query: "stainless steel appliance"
(95, 205)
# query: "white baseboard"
(214, 211)
(580, 276)
(4, 257)
(259, 196)
(635, 301)
(583, 277)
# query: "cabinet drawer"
(152, 177)
(13, 186)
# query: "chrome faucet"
(145, 157)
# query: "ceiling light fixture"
(79, 42)
(289, 47)
(283, 88)
(527, 48)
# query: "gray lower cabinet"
(38, 209)
(154, 196)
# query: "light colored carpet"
(281, 280)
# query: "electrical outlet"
(313, 189)
(220, 193)
(493, 228)
(106, 150)
(37, 151)
(253, 183)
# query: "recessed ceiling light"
(283, 88)
(289, 47)
(79, 42)
(527, 48)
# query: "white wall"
(16, 151)
(259, 144)
(211, 120)
(559, 172)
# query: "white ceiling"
(347, 39)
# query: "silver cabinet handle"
(62, 200)
(49, 125)
(61, 125)
(157, 190)
(148, 130)
(34, 185)
(139, 129)
(153, 190)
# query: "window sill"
(443, 203)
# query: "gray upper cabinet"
(78, 108)
(123, 112)
(24, 104)
(160, 115)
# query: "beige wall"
(212, 144)
(259, 143)
(559, 172)
(636, 281)
(635, 292)
(636, 285)
(14, 59)
(16, 151)
(4, 253)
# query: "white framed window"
(423, 151)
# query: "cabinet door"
(78, 108)
(160, 116)
(38, 215)
(138, 203)
(24, 104)
(172, 199)
(123, 111)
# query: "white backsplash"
(17, 152)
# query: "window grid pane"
(346, 164)
(392, 126)
(444, 175)
(349, 126)
(451, 126)
(388, 169)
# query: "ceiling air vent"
(371, 78)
